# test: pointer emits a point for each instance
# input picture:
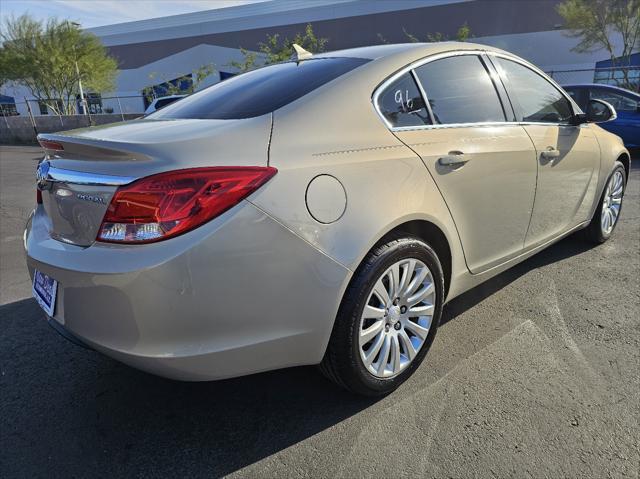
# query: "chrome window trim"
(427, 105)
(483, 125)
(408, 68)
(455, 125)
(478, 54)
(59, 175)
(501, 89)
(438, 56)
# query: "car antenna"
(300, 53)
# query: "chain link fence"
(93, 105)
(22, 121)
(627, 77)
(624, 77)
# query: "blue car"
(626, 103)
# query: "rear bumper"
(239, 295)
(58, 328)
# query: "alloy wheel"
(396, 318)
(611, 202)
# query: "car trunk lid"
(85, 167)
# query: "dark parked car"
(626, 103)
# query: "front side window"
(402, 105)
(535, 99)
(618, 101)
(460, 90)
(259, 91)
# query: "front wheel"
(387, 319)
(607, 213)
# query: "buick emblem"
(42, 176)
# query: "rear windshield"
(260, 91)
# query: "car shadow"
(73, 411)
(566, 248)
(569, 246)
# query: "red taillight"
(38, 196)
(168, 204)
(51, 145)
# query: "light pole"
(82, 101)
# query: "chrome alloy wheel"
(396, 318)
(611, 202)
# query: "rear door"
(568, 156)
(482, 162)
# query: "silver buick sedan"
(318, 211)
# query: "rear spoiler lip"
(59, 175)
(102, 151)
(66, 139)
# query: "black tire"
(594, 232)
(342, 363)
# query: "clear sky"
(93, 13)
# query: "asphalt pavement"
(533, 374)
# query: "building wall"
(174, 46)
(484, 17)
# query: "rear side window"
(402, 105)
(460, 90)
(260, 91)
(536, 100)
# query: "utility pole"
(84, 110)
(82, 101)
(33, 121)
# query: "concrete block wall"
(20, 129)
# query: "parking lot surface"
(533, 374)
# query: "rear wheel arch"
(343, 362)
(626, 162)
(421, 229)
(430, 234)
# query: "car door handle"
(550, 153)
(454, 158)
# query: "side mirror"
(599, 111)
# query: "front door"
(566, 182)
(568, 156)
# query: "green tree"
(248, 62)
(276, 49)
(462, 35)
(4, 67)
(596, 23)
(42, 56)
(174, 85)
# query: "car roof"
(406, 49)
